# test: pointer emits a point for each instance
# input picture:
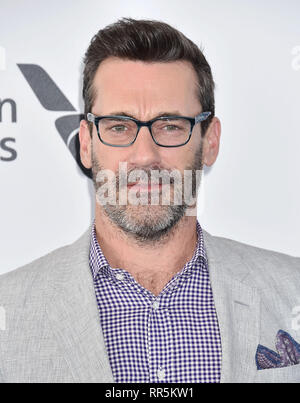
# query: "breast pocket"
(289, 374)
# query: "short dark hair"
(149, 41)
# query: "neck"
(151, 264)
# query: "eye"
(118, 128)
(171, 127)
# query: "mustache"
(145, 176)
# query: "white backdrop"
(252, 192)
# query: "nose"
(144, 152)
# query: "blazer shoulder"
(38, 274)
(261, 263)
(244, 248)
(17, 282)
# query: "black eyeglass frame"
(197, 119)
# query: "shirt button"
(120, 276)
(155, 305)
(161, 374)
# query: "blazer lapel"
(74, 315)
(238, 310)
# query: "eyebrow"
(160, 114)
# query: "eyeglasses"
(166, 131)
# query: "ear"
(211, 142)
(85, 140)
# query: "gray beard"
(148, 224)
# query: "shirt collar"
(98, 261)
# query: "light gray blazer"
(52, 329)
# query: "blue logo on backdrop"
(53, 99)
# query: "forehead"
(127, 84)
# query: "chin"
(145, 223)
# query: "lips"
(144, 187)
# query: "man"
(147, 295)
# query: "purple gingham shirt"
(172, 337)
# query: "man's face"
(145, 91)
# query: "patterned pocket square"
(288, 353)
